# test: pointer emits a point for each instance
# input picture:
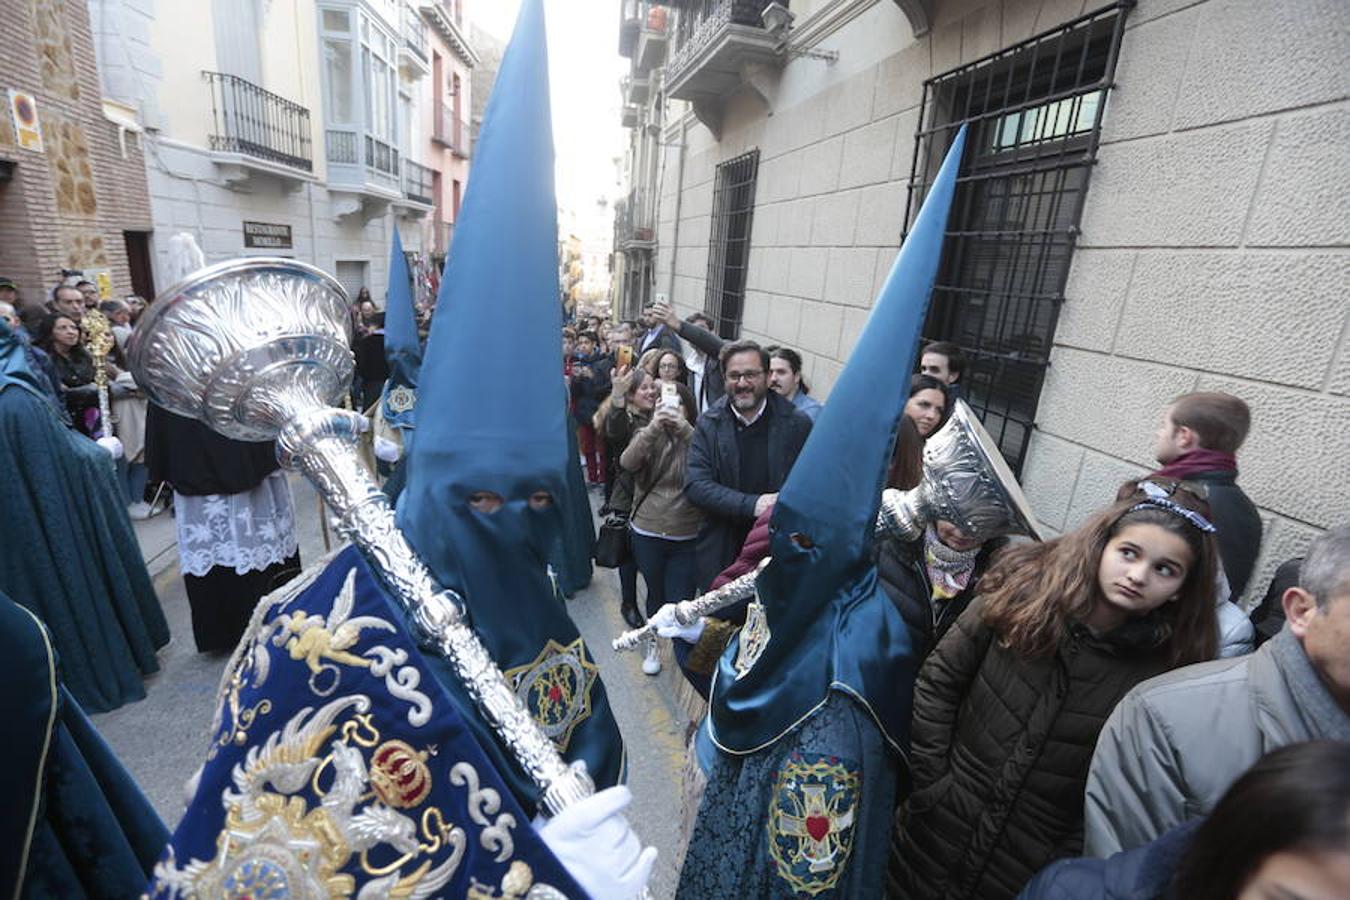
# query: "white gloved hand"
(386, 450)
(598, 846)
(668, 626)
(112, 445)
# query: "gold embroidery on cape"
(556, 688)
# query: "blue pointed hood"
(491, 418)
(15, 369)
(402, 347)
(830, 625)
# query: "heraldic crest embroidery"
(401, 399)
(340, 768)
(556, 688)
(812, 814)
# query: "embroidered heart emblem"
(817, 827)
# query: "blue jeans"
(667, 567)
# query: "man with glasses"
(743, 448)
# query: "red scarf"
(1195, 462)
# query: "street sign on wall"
(27, 128)
(267, 236)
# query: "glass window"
(336, 20)
(337, 80)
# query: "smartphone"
(624, 355)
(670, 396)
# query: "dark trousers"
(592, 451)
(667, 567)
(628, 582)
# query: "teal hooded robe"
(69, 553)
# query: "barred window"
(729, 246)
(1034, 113)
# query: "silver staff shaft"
(898, 515)
(321, 444)
(687, 612)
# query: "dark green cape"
(74, 823)
(69, 553)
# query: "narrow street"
(161, 739)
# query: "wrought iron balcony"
(252, 121)
(714, 42)
(634, 222)
(630, 23)
(417, 181)
(414, 60)
(414, 33)
(444, 233)
(635, 88)
(651, 41)
(451, 131)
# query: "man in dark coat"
(591, 373)
(658, 334)
(743, 448)
(1198, 442)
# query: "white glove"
(668, 626)
(386, 450)
(112, 445)
(598, 846)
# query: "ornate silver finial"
(246, 346)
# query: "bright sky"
(584, 72)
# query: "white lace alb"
(246, 532)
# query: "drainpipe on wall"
(679, 200)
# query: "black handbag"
(613, 541)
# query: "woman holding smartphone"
(664, 523)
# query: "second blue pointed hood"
(491, 418)
(829, 624)
(402, 346)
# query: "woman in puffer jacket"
(1009, 705)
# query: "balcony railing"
(451, 131)
(381, 157)
(417, 181)
(651, 44)
(250, 120)
(714, 42)
(445, 231)
(634, 221)
(414, 33)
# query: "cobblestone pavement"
(162, 738)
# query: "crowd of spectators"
(55, 335)
(1099, 692)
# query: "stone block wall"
(1213, 256)
(1213, 252)
(67, 206)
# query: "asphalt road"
(162, 739)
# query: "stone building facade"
(81, 201)
(310, 130)
(1154, 204)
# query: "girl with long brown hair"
(1008, 707)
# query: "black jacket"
(1239, 526)
(665, 339)
(900, 566)
(589, 393)
(1000, 749)
(712, 478)
(713, 386)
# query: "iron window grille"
(1034, 112)
(729, 247)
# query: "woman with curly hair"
(1008, 707)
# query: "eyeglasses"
(734, 377)
(1156, 489)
